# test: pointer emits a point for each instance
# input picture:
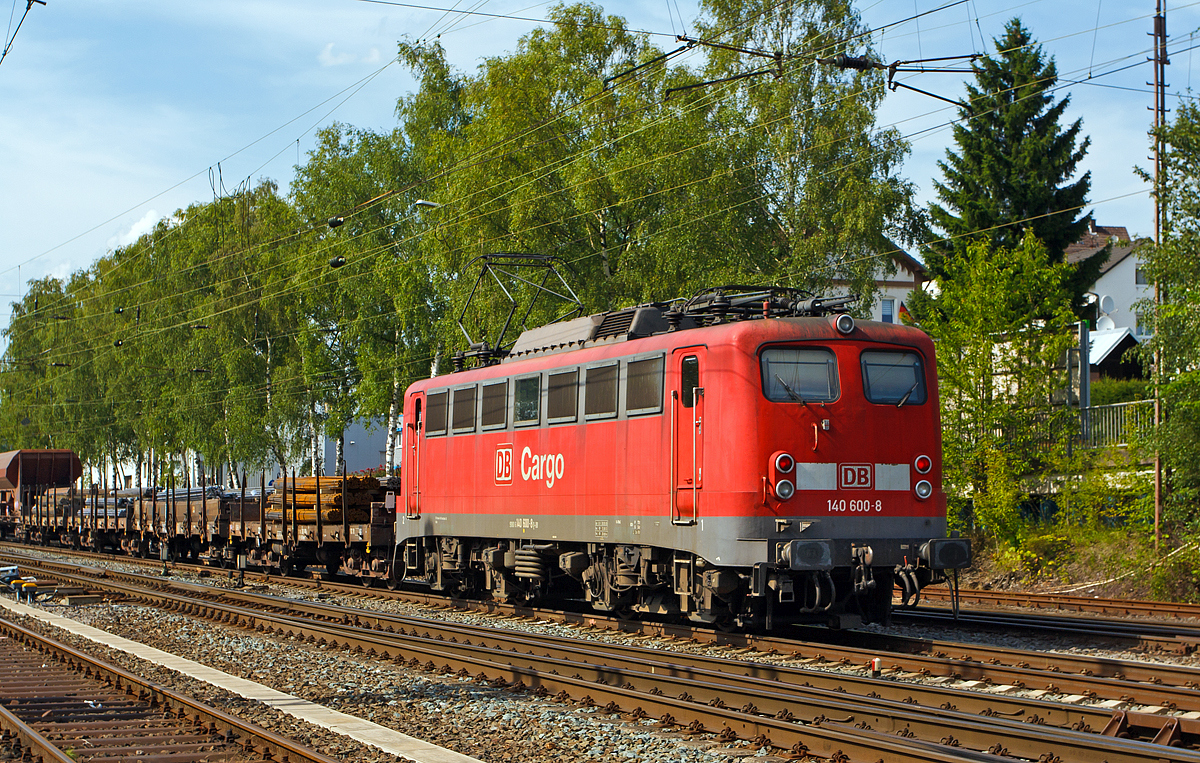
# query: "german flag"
(905, 316)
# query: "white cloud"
(135, 231)
(328, 58)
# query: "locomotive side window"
(562, 402)
(690, 380)
(893, 377)
(527, 397)
(464, 409)
(495, 404)
(799, 375)
(644, 385)
(600, 391)
(435, 413)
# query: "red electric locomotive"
(739, 458)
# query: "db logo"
(854, 476)
(504, 464)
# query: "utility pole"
(1160, 117)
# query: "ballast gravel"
(621, 740)
(491, 724)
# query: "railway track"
(921, 655)
(60, 705)
(792, 705)
(1064, 603)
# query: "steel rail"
(835, 742)
(1180, 638)
(1064, 602)
(926, 656)
(1166, 685)
(248, 736)
(40, 749)
(758, 695)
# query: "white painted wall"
(1120, 284)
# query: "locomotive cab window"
(689, 380)
(644, 386)
(464, 409)
(495, 403)
(600, 391)
(527, 397)
(799, 375)
(435, 413)
(896, 378)
(562, 400)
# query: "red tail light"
(923, 464)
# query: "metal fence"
(1116, 425)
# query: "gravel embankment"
(562, 733)
(481, 721)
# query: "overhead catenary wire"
(8, 42)
(383, 247)
(1126, 56)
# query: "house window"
(889, 311)
(1143, 325)
(1139, 277)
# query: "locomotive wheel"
(367, 581)
(392, 582)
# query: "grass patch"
(1118, 562)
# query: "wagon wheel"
(367, 581)
(286, 565)
(392, 581)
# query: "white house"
(1121, 283)
(894, 290)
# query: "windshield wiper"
(793, 394)
(908, 394)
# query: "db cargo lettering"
(548, 466)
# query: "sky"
(115, 114)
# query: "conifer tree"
(1013, 166)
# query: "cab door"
(414, 443)
(687, 434)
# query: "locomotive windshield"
(799, 375)
(893, 377)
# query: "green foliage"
(998, 498)
(1175, 265)
(1011, 173)
(998, 373)
(1178, 577)
(1109, 391)
(224, 332)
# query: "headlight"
(844, 323)
(923, 489)
(784, 489)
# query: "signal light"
(923, 464)
(923, 489)
(784, 489)
(784, 463)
